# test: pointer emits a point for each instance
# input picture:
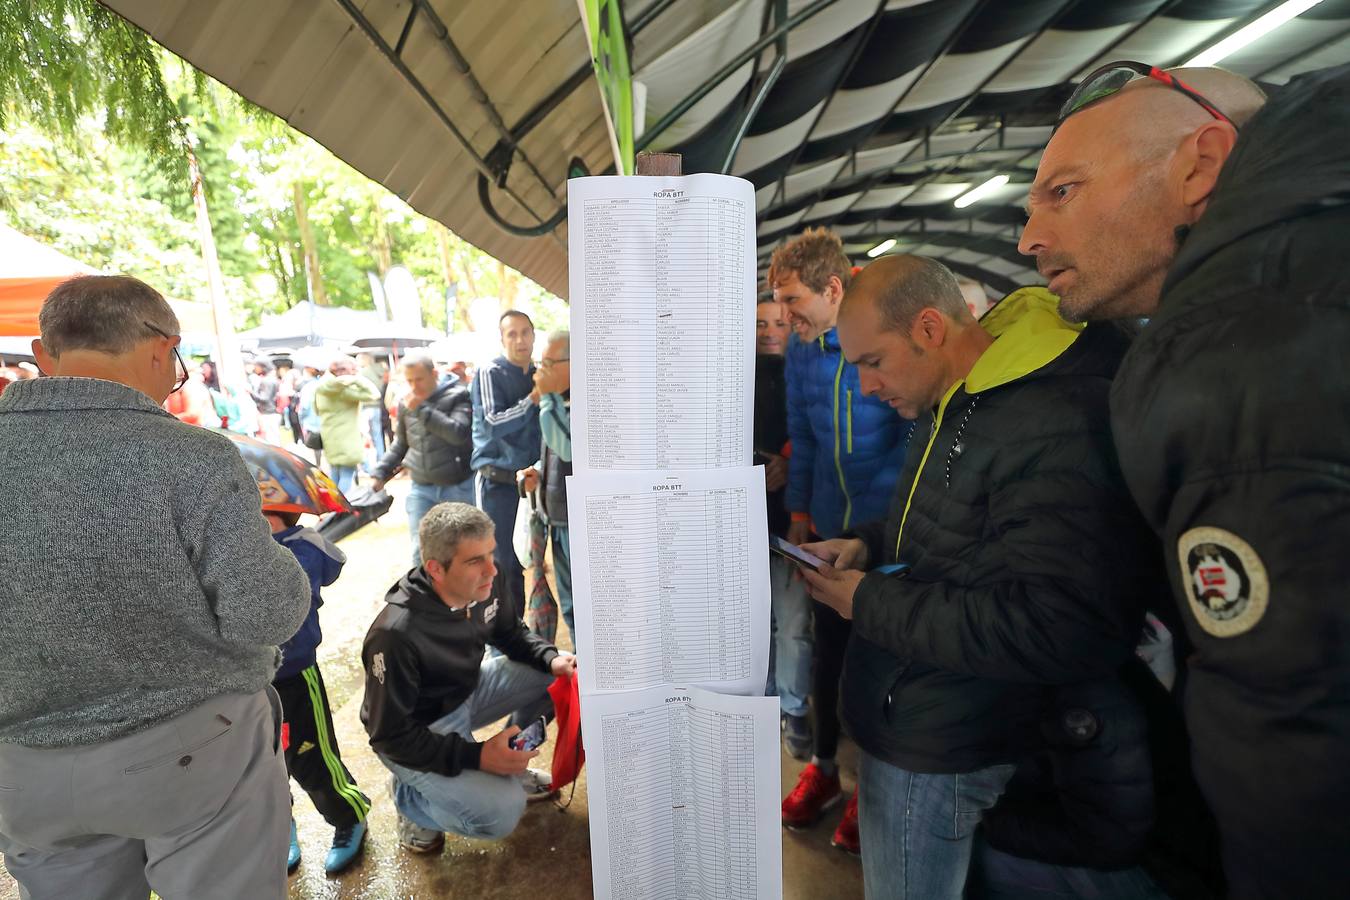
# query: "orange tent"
(29, 269)
(20, 300)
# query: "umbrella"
(367, 506)
(287, 482)
(541, 612)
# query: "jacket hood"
(1028, 335)
(1289, 162)
(414, 591)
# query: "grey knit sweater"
(137, 575)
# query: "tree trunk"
(462, 300)
(316, 291)
(510, 283)
(383, 249)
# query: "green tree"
(66, 59)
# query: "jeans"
(500, 502)
(790, 643)
(345, 476)
(375, 423)
(995, 875)
(918, 830)
(422, 497)
(562, 571)
(473, 803)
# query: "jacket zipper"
(850, 421)
(838, 465)
(932, 438)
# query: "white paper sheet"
(670, 577)
(662, 277)
(684, 801)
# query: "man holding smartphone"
(847, 449)
(428, 687)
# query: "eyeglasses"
(547, 363)
(178, 360)
(1110, 78)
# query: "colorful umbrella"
(287, 482)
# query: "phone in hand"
(531, 737)
(795, 554)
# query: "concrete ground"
(549, 854)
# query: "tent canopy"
(309, 325)
(883, 113)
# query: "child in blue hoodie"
(312, 756)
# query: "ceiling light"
(979, 193)
(881, 248)
(1258, 29)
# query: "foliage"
(93, 161)
(67, 59)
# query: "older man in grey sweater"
(142, 600)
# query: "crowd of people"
(1076, 605)
(171, 658)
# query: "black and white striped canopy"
(887, 111)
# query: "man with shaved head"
(1011, 558)
(1180, 197)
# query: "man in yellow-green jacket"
(1012, 558)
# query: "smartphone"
(531, 737)
(795, 554)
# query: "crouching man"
(428, 687)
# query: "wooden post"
(648, 163)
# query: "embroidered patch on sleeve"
(1224, 579)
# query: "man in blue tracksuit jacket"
(506, 439)
(847, 450)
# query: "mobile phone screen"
(795, 553)
(531, 737)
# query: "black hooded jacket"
(421, 660)
(1232, 417)
(1030, 566)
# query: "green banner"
(609, 55)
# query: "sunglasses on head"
(1110, 78)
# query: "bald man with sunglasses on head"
(1183, 197)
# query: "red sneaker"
(846, 835)
(815, 792)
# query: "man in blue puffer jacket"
(847, 450)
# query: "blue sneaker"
(347, 843)
(293, 858)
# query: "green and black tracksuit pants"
(312, 757)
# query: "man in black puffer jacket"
(1231, 413)
(1025, 563)
(433, 440)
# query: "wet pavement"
(548, 854)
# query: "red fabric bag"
(568, 753)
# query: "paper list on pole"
(680, 809)
(671, 575)
(662, 278)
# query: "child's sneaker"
(347, 842)
(293, 857)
